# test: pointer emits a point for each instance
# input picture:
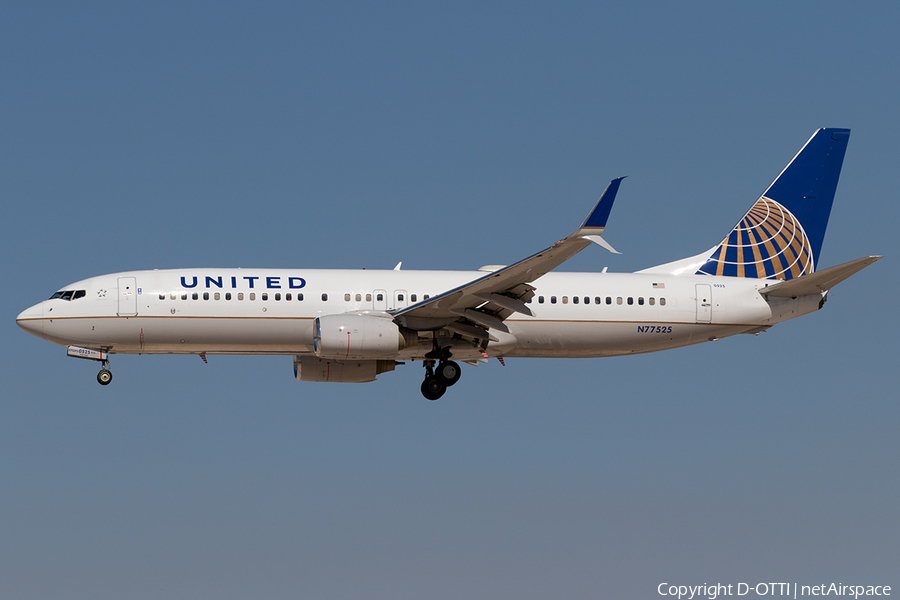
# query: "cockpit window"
(69, 295)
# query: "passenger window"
(324, 297)
(264, 296)
(640, 301)
(162, 296)
(662, 301)
(412, 297)
(598, 300)
(587, 300)
(277, 296)
(346, 297)
(368, 297)
(184, 296)
(574, 299)
(172, 296)
(359, 297)
(206, 295)
(288, 297)
(619, 300)
(253, 295)
(540, 299)
(240, 295)
(378, 297)
(228, 295)
(217, 296)
(195, 296)
(609, 299)
(630, 300)
(300, 297)
(426, 297)
(652, 301)
(399, 297)
(552, 299)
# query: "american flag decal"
(659, 286)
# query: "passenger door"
(704, 303)
(127, 297)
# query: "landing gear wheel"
(104, 377)
(433, 388)
(448, 372)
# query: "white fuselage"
(272, 311)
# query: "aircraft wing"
(485, 302)
(818, 282)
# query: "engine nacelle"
(312, 368)
(357, 337)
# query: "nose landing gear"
(101, 356)
(104, 377)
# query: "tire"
(448, 372)
(433, 388)
(104, 377)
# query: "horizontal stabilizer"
(818, 282)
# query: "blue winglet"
(600, 215)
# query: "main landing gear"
(437, 380)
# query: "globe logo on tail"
(769, 242)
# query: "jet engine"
(353, 336)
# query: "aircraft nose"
(32, 320)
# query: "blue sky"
(446, 136)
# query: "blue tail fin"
(781, 236)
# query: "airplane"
(353, 325)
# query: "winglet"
(595, 223)
(600, 214)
